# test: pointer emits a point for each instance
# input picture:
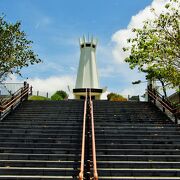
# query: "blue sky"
(55, 26)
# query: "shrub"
(59, 95)
(115, 97)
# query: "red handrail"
(95, 174)
(81, 173)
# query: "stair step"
(137, 132)
(139, 157)
(38, 171)
(35, 126)
(139, 141)
(138, 178)
(39, 134)
(25, 131)
(101, 136)
(29, 156)
(43, 140)
(137, 164)
(41, 150)
(160, 145)
(39, 163)
(99, 151)
(17, 177)
(138, 151)
(138, 172)
(65, 143)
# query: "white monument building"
(87, 76)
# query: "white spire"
(87, 76)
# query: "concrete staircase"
(42, 140)
(135, 141)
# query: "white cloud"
(52, 84)
(47, 85)
(134, 90)
(120, 37)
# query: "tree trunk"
(164, 89)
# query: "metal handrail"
(14, 100)
(11, 87)
(95, 174)
(81, 173)
(164, 103)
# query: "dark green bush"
(59, 95)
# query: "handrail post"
(25, 84)
(154, 93)
(149, 88)
(175, 117)
(31, 90)
(27, 95)
(22, 89)
(163, 101)
(12, 104)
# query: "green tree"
(15, 49)
(155, 49)
(59, 95)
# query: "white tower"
(87, 76)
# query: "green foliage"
(56, 97)
(155, 49)
(59, 95)
(36, 98)
(115, 97)
(15, 49)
